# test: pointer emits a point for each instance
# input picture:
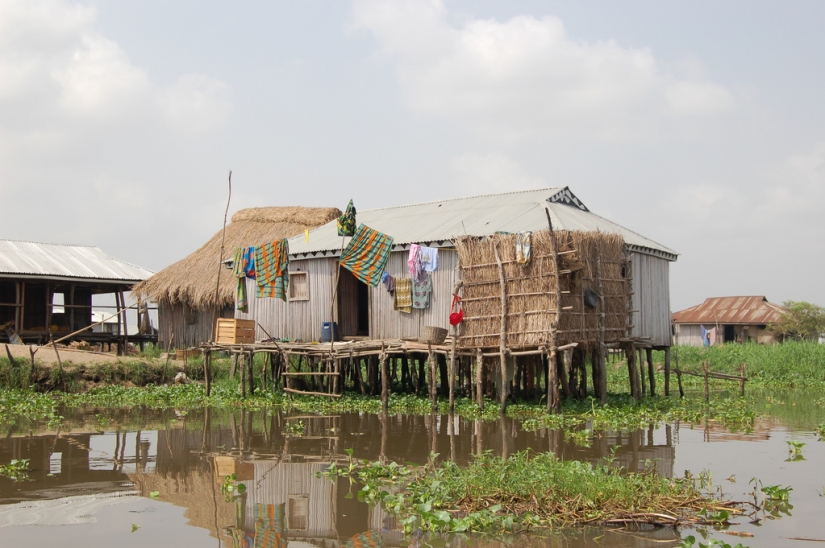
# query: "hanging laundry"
(346, 222)
(367, 255)
(306, 235)
(239, 273)
(272, 269)
(403, 295)
(704, 332)
(523, 247)
(415, 265)
(421, 292)
(429, 258)
(249, 262)
(389, 283)
(711, 336)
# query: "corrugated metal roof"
(440, 221)
(64, 261)
(754, 310)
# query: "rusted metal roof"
(56, 261)
(753, 310)
(437, 223)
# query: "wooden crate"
(235, 331)
(186, 354)
(226, 466)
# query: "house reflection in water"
(286, 504)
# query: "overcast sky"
(699, 124)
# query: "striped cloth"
(368, 539)
(367, 255)
(239, 272)
(271, 269)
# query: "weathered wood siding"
(298, 320)
(651, 298)
(172, 319)
(387, 323)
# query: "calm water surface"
(92, 482)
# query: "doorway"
(353, 306)
(730, 334)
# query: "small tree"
(801, 321)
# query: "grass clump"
(526, 490)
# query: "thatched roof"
(193, 280)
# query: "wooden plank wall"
(171, 319)
(387, 323)
(651, 298)
(299, 320)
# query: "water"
(93, 482)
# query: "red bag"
(457, 313)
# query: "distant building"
(46, 290)
(720, 320)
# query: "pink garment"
(412, 258)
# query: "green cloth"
(346, 222)
(238, 271)
(272, 269)
(367, 254)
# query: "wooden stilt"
(651, 371)
(553, 398)
(207, 371)
(385, 387)
(480, 378)
(667, 371)
(600, 386)
(433, 366)
(503, 336)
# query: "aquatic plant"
(526, 490)
(231, 489)
(690, 542)
(17, 469)
(795, 450)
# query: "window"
(298, 517)
(190, 315)
(298, 286)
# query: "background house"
(185, 291)
(48, 289)
(727, 319)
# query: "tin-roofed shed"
(727, 319)
(46, 289)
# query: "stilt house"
(47, 289)
(721, 320)
(185, 291)
(455, 227)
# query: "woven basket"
(433, 335)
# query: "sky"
(699, 124)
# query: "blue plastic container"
(329, 331)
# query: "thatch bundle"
(192, 280)
(531, 290)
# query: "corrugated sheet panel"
(476, 216)
(387, 323)
(300, 320)
(64, 261)
(651, 298)
(751, 310)
(172, 321)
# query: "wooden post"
(251, 371)
(59, 361)
(630, 351)
(602, 368)
(707, 384)
(651, 372)
(503, 337)
(207, 371)
(566, 371)
(125, 325)
(243, 377)
(553, 399)
(742, 380)
(679, 375)
(456, 289)
(667, 371)
(480, 379)
(640, 371)
(385, 385)
(433, 371)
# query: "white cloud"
(528, 76)
(197, 102)
(476, 173)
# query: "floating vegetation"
(795, 450)
(528, 490)
(17, 469)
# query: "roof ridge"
(557, 188)
(46, 243)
